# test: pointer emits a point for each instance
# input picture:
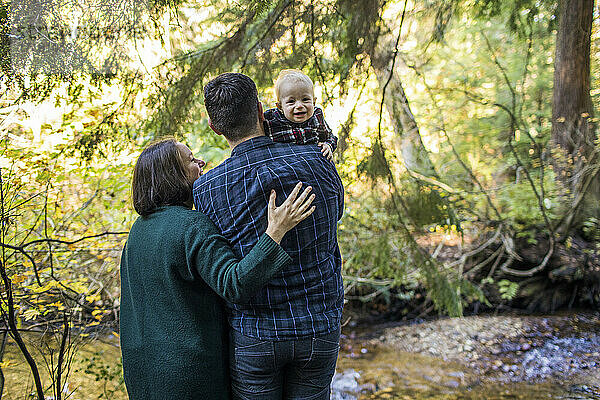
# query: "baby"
(296, 119)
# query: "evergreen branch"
(316, 59)
(528, 54)
(395, 54)
(505, 267)
(454, 151)
(264, 35)
(502, 70)
(433, 182)
(514, 119)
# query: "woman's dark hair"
(159, 178)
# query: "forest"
(468, 149)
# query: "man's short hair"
(231, 100)
(294, 76)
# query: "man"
(284, 343)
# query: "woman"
(174, 267)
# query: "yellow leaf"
(46, 287)
(92, 298)
(31, 314)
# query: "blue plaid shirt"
(306, 299)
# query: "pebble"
(452, 384)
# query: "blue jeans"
(283, 369)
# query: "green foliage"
(110, 374)
(508, 290)
(374, 165)
(378, 247)
(591, 230)
(521, 207)
(515, 10)
(450, 294)
(454, 93)
(51, 201)
(71, 140)
(426, 206)
(375, 253)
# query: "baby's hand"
(326, 150)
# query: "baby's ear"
(314, 100)
(278, 105)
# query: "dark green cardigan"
(174, 267)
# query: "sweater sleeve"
(234, 280)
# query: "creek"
(487, 358)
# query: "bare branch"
(69, 242)
(14, 332)
(61, 354)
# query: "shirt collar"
(279, 115)
(251, 144)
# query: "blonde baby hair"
(291, 75)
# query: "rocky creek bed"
(478, 357)
(471, 358)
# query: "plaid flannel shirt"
(313, 130)
(306, 299)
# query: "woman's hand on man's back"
(293, 210)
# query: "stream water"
(539, 364)
(488, 357)
(384, 373)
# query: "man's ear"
(261, 113)
(213, 127)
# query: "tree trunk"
(407, 139)
(573, 132)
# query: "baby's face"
(296, 101)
